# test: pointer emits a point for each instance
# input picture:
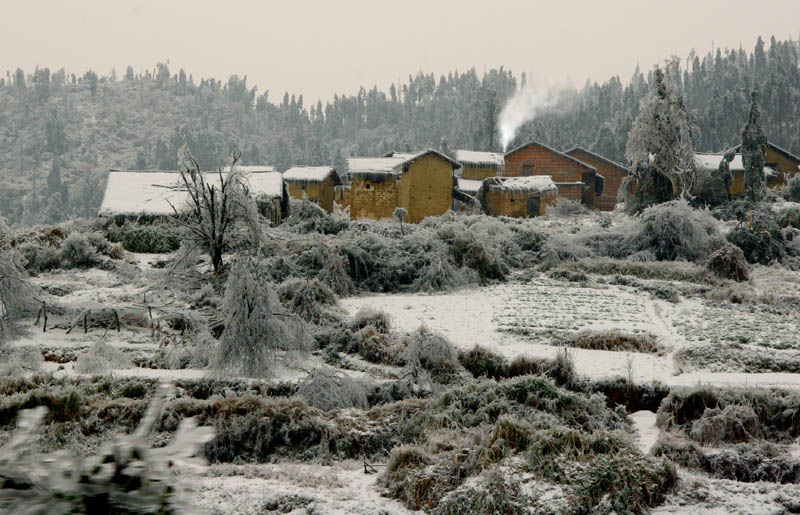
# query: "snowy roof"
(711, 162)
(356, 165)
(551, 149)
(533, 183)
(391, 163)
(152, 192)
(469, 185)
(578, 150)
(475, 157)
(776, 148)
(311, 174)
(252, 168)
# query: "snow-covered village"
(313, 287)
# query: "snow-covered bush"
(311, 300)
(330, 390)
(18, 361)
(675, 231)
(39, 258)
(794, 188)
(763, 242)
(77, 252)
(433, 353)
(101, 358)
(334, 275)
(729, 262)
(149, 239)
(376, 347)
(16, 296)
(615, 340)
(733, 424)
(307, 217)
(473, 251)
(368, 316)
(565, 207)
(256, 328)
(126, 476)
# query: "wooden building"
(574, 179)
(781, 161)
(612, 174)
(146, 195)
(421, 183)
(478, 166)
(316, 183)
(518, 197)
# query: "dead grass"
(616, 340)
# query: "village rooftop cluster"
(521, 183)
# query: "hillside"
(61, 133)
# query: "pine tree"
(754, 149)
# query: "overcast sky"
(319, 48)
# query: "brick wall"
(548, 162)
(370, 199)
(613, 175)
(426, 189)
(478, 173)
(570, 190)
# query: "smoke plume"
(523, 107)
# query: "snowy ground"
(516, 318)
(520, 318)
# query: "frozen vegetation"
(574, 363)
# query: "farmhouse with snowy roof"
(422, 183)
(574, 179)
(150, 194)
(710, 162)
(316, 183)
(518, 197)
(783, 162)
(479, 165)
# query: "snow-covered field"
(518, 318)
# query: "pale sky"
(319, 48)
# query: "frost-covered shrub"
(16, 296)
(616, 340)
(377, 347)
(330, 390)
(18, 361)
(733, 424)
(433, 353)
(565, 207)
(675, 231)
(307, 217)
(309, 299)
(255, 327)
(39, 258)
(101, 358)
(473, 252)
(794, 188)
(149, 239)
(763, 242)
(335, 276)
(368, 316)
(728, 262)
(561, 248)
(126, 476)
(77, 252)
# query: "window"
(527, 170)
(367, 186)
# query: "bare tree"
(214, 205)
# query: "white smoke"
(523, 107)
